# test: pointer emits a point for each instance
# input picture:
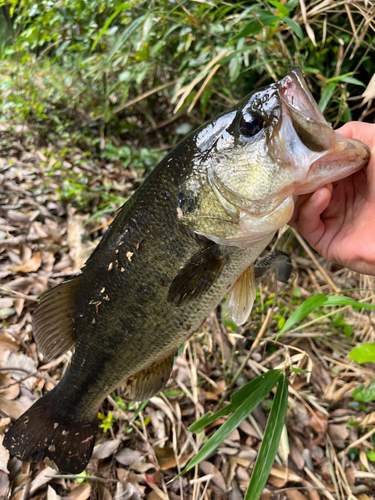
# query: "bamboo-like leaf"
(304, 309)
(236, 400)
(326, 96)
(270, 442)
(294, 26)
(339, 300)
(109, 21)
(235, 420)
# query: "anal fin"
(241, 297)
(53, 326)
(197, 276)
(149, 382)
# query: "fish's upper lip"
(308, 121)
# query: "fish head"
(270, 148)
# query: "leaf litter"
(327, 444)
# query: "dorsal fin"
(241, 297)
(197, 276)
(53, 325)
(149, 382)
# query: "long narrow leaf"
(339, 300)
(110, 19)
(236, 400)
(326, 96)
(270, 442)
(234, 420)
(304, 309)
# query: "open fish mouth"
(336, 156)
(308, 121)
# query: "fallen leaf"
(11, 389)
(218, 479)
(4, 485)
(42, 478)
(127, 492)
(8, 342)
(295, 495)
(14, 408)
(82, 492)
(4, 457)
(104, 450)
(30, 266)
(127, 456)
(51, 494)
(103, 492)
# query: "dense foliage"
(136, 69)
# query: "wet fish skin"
(188, 235)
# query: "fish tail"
(41, 434)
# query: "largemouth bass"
(189, 235)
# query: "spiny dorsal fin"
(197, 276)
(53, 319)
(241, 297)
(149, 382)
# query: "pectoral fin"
(149, 382)
(241, 297)
(197, 276)
(53, 325)
(278, 259)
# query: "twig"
(18, 295)
(355, 443)
(313, 258)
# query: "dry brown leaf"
(319, 422)
(8, 342)
(127, 492)
(127, 456)
(30, 266)
(369, 92)
(15, 408)
(4, 485)
(104, 450)
(142, 466)
(295, 495)
(42, 478)
(51, 494)
(338, 434)
(103, 492)
(82, 492)
(11, 389)
(218, 479)
(4, 424)
(4, 457)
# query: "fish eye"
(251, 124)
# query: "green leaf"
(294, 26)
(340, 300)
(254, 26)
(363, 353)
(252, 401)
(304, 309)
(326, 96)
(371, 455)
(270, 442)
(236, 400)
(284, 10)
(354, 81)
(109, 20)
(365, 395)
(141, 407)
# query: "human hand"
(338, 220)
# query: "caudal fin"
(40, 434)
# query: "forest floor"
(327, 450)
